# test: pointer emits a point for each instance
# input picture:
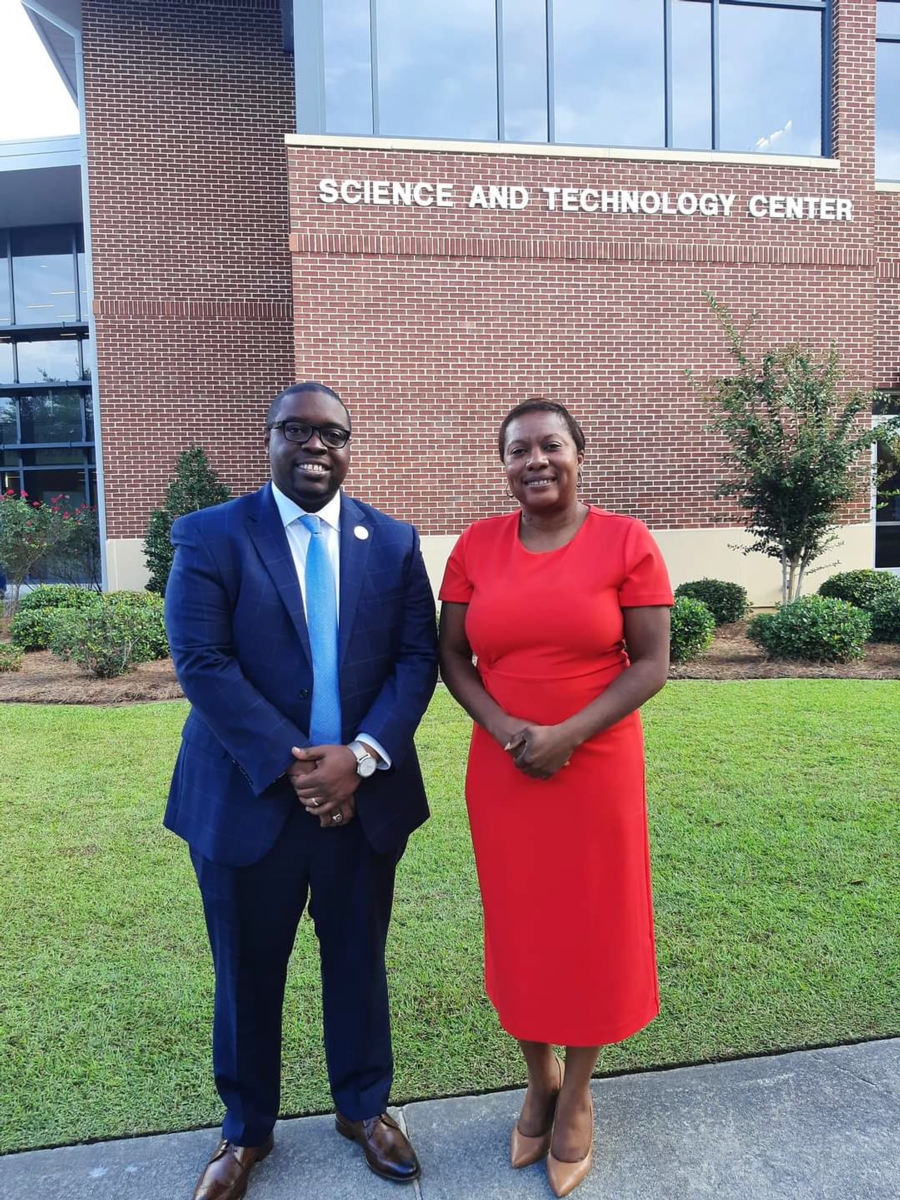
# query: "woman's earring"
(509, 494)
(579, 482)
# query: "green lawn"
(775, 828)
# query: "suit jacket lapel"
(267, 533)
(354, 561)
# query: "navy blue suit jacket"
(237, 630)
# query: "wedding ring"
(337, 817)
(315, 801)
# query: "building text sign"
(513, 197)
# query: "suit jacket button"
(304, 692)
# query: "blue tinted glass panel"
(691, 75)
(5, 313)
(608, 72)
(8, 432)
(51, 417)
(82, 274)
(49, 362)
(348, 66)
(6, 363)
(771, 79)
(437, 68)
(888, 21)
(525, 71)
(44, 275)
(46, 486)
(887, 110)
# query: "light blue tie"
(322, 623)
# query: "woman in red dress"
(547, 599)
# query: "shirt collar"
(289, 511)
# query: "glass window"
(8, 430)
(51, 417)
(44, 275)
(82, 274)
(5, 314)
(888, 18)
(7, 371)
(54, 361)
(609, 73)
(64, 456)
(692, 75)
(770, 67)
(9, 458)
(346, 40)
(47, 485)
(887, 108)
(525, 71)
(437, 68)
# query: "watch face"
(367, 767)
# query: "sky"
(34, 102)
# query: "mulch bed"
(47, 680)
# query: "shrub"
(886, 620)
(32, 532)
(693, 627)
(151, 641)
(865, 589)
(815, 628)
(11, 658)
(196, 485)
(106, 639)
(726, 601)
(31, 631)
(56, 595)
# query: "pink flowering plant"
(32, 531)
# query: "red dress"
(564, 863)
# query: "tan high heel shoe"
(564, 1177)
(524, 1150)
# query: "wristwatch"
(365, 763)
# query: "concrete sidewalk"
(813, 1125)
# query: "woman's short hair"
(541, 404)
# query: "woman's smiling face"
(541, 461)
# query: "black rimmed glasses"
(300, 432)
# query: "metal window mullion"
(667, 71)
(498, 46)
(373, 65)
(714, 71)
(551, 100)
(12, 282)
(827, 82)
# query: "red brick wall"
(187, 107)
(433, 322)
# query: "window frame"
(884, 39)
(310, 83)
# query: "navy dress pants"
(252, 914)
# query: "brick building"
(439, 211)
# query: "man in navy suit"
(302, 628)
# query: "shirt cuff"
(385, 764)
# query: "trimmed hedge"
(693, 628)
(31, 630)
(726, 601)
(11, 658)
(151, 642)
(865, 589)
(886, 620)
(813, 628)
(56, 595)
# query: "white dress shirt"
(298, 539)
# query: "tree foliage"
(795, 440)
(33, 534)
(195, 485)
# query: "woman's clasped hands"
(537, 750)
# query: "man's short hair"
(293, 389)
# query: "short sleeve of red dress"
(645, 580)
(457, 587)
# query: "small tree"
(794, 447)
(196, 485)
(30, 532)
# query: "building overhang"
(40, 182)
(56, 21)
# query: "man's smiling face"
(310, 473)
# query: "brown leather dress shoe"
(226, 1174)
(386, 1147)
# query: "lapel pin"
(361, 532)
